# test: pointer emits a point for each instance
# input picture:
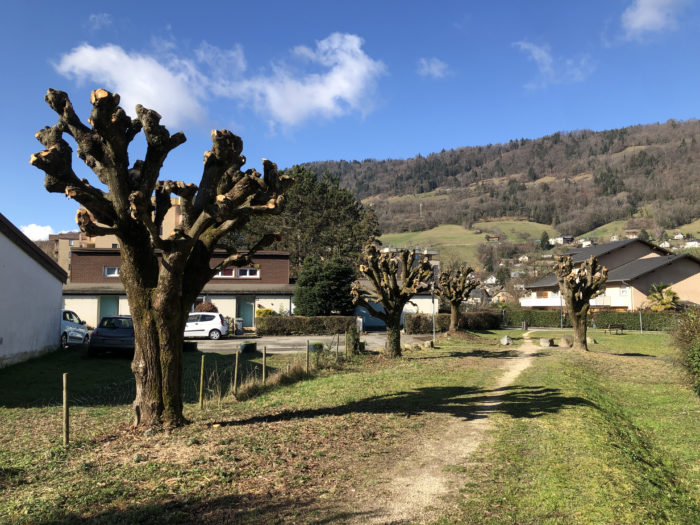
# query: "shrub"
(264, 312)
(300, 325)
(654, 321)
(471, 320)
(686, 335)
(206, 306)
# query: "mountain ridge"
(574, 181)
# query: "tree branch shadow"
(235, 508)
(467, 403)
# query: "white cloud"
(342, 80)
(174, 90)
(650, 16)
(97, 21)
(36, 232)
(344, 86)
(432, 67)
(554, 70)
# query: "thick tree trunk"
(578, 321)
(454, 316)
(393, 338)
(159, 312)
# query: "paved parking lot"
(297, 343)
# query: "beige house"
(633, 267)
(61, 245)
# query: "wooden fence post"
(347, 355)
(264, 373)
(235, 375)
(307, 356)
(201, 385)
(66, 422)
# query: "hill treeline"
(575, 181)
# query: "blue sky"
(317, 80)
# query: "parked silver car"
(211, 325)
(73, 330)
(114, 333)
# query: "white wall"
(86, 306)
(424, 305)
(124, 305)
(30, 306)
(277, 303)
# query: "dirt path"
(416, 485)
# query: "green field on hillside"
(605, 231)
(456, 243)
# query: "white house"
(30, 303)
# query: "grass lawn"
(280, 455)
(629, 452)
(608, 436)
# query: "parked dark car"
(115, 333)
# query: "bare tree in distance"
(578, 285)
(454, 286)
(393, 278)
(162, 275)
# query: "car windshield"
(116, 322)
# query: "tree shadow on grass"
(238, 508)
(488, 354)
(467, 403)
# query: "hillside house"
(30, 303)
(694, 243)
(95, 289)
(633, 267)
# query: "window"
(248, 273)
(227, 272)
(111, 271)
(623, 290)
(115, 245)
(70, 242)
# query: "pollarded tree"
(454, 286)
(394, 278)
(162, 276)
(578, 285)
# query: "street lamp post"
(432, 294)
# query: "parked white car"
(73, 330)
(211, 325)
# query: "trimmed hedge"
(545, 318)
(687, 336)
(300, 325)
(472, 320)
(654, 321)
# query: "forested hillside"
(575, 181)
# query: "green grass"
(456, 243)
(608, 230)
(627, 452)
(607, 436)
(270, 458)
